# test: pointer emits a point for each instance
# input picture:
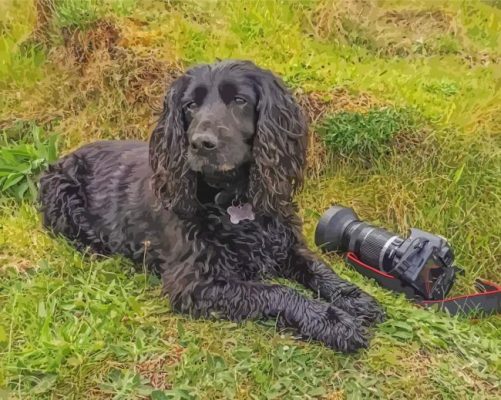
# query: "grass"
(21, 162)
(415, 85)
(368, 135)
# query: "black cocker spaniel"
(208, 205)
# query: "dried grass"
(104, 90)
(401, 31)
(331, 19)
(155, 369)
(81, 44)
(44, 14)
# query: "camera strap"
(487, 300)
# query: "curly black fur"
(120, 197)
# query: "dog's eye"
(192, 105)
(240, 100)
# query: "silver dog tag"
(240, 213)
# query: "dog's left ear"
(279, 148)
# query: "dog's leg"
(304, 267)
(238, 300)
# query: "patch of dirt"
(337, 395)
(336, 19)
(44, 14)
(130, 87)
(21, 265)
(316, 156)
(317, 104)
(342, 100)
(482, 58)
(402, 32)
(82, 44)
(314, 105)
(105, 64)
(412, 142)
(112, 91)
(155, 369)
(135, 33)
(420, 21)
(387, 32)
(140, 78)
(98, 394)
(113, 94)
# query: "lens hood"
(330, 229)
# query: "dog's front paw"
(336, 329)
(358, 303)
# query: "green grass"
(21, 162)
(428, 155)
(21, 65)
(83, 13)
(366, 135)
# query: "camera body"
(423, 261)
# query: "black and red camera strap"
(486, 301)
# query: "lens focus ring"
(372, 245)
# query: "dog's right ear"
(173, 182)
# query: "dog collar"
(224, 198)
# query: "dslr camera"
(420, 265)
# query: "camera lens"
(374, 246)
(330, 230)
(340, 230)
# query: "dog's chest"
(250, 248)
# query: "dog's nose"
(204, 142)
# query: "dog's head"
(229, 125)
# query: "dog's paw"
(361, 305)
(336, 329)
